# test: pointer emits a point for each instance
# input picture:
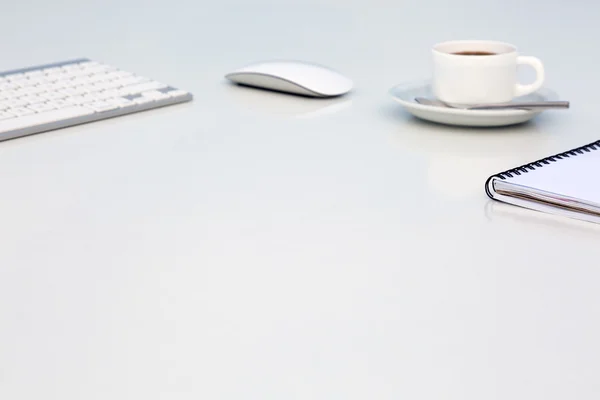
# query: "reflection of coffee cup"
(480, 71)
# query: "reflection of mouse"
(263, 102)
(293, 77)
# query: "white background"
(252, 245)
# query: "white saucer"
(405, 94)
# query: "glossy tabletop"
(253, 245)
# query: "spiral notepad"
(566, 184)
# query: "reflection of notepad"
(567, 184)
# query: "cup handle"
(522, 90)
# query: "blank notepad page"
(576, 177)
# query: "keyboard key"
(142, 100)
(97, 78)
(21, 82)
(82, 80)
(8, 86)
(33, 99)
(70, 91)
(11, 124)
(78, 82)
(86, 64)
(79, 73)
(118, 75)
(102, 85)
(15, 102)
(90, 97)
(34, 81)
(9, 94)
(100, 106)
(6, 115)
(154, 94)
(36, 89)
(52, 70)
(70, 68)
(81, 90)
(113, 84)
(122, 82)
(63, 76)
(48, 79)
(142, 87)
(18, 83)
(34, 73)
(76, 100)
(59, 85)
(53, 95)
(60, 103)
(20, 111)
(132, 80)
(13, 77)
(176, 93)
(99, 68)
(44, 87)
(25, 91)
(90, 69)
(121, 101)
(94, 88)
(107, 94)
(55, 71)
(41, 107)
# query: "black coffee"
(474, 53)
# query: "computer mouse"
(295, 77)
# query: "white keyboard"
(46, 97)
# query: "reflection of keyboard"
(47, 97)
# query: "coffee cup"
(480, 72)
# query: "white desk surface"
(251, 245)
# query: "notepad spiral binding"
(545, 161)
(523, 169)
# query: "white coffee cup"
(480, 79)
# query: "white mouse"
(293, 77)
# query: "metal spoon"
(528, 105)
